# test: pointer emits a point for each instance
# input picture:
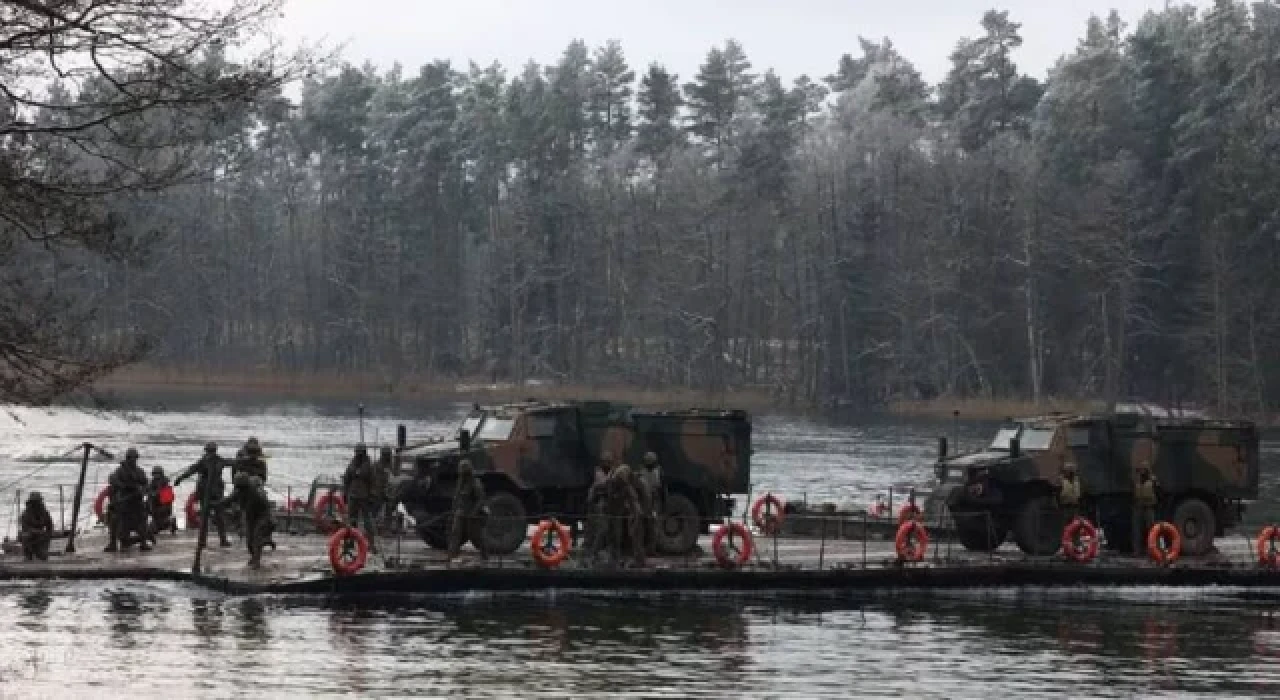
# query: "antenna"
(361, 409)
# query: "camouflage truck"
(1206, 471)
(538, 459)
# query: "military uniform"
(1069, 495)
(467, 501)
(359, 484)
(1144, 507)
(597, 515)
(208, 473)
(35, 528)
(648, 486)
(127, 515)
(383, 471)
(625, 513)
(161, 513)
(249, 495)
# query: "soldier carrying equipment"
(208, 473)
(626, 515)
(35, 528)
(251, 461)
(247, 492)
(360, 488)
(1069, 493)
(127, 516)
(1144, 506)
(467, 514)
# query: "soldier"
(208, 473)
(1069, 493)
(161, 513)
(35, 528)
(468, 500)
(251, 461)
(647, 483)
(359, 486)
(1144, 506)
(625, 515)
(597, 518)
(383, 472)
(247, 492)
(653, 478)
(127, 515)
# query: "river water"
(118, 639)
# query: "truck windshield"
(495, 428)
(472, 422)
(1028, 438)
(1003, 436)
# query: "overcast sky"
(792, 36)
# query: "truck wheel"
(504, 527)
(678, 526)
(978, 533)
(1195, 520)
(1037, 528)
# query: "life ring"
(165, 495)
(100, 503)
(193, 510)
(1269, 546)
(912, 541)
(1080, 541)
(727, 556)
(767, 514)
(909, 511)
(1155, 539)
(323, 520)
(342, 565)
(546, 555)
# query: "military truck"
(538, 459)
(1206, 471)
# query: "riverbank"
(989, 409)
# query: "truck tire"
(505, 526)
(1196, 522)
(978, 533)
(1037, 527)
(678, 526)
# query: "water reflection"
(206, 621)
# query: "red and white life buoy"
(912, 541)
(1080, 541)
(193, 511)
(729, 555)
(1269, 547)
(325, 521)
(550, 544)
(344, 560)
(100, 503)
(1164, 543)
(767, 514)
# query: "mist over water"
(118, 639)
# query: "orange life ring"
(1269, 546)
(193, 510)
(100, 503)
(912, 541)
(767, 514)
(1080, 532)
(909, 511)
(324, 522)
(546, 555)
(1155, 539)
(337, 551)
(725, 553)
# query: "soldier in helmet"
(208, 473)
(35, 528)
(597, 517)
(160, 509)
(468, 500)
(1069, 493)
(359, 484)
(651, 478)
(251, 460)
(1145, 498)
(625, 513)
(383, 472)
(127, 515)
(247, 492)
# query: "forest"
(1112, 231)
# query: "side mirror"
(1015, 447)
(942, 447)
(464, 439)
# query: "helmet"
(131, 453)
(361, 449)
(211, 447)
(251, 442)
(35, 497)
(157, 471)
(650, 459)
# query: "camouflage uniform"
(1069, 494)
(208, 473)
(161, 513)
(35, 528)
(626, 517)
(383, 471)
(467, 501)
(1144, 507)
(359, 484)
(250, 461)
(255, 507)
(127, 515)
(597, 513)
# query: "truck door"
(553, 456)
(1090, 446)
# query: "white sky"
(792, 36)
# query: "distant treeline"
(860, 237)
